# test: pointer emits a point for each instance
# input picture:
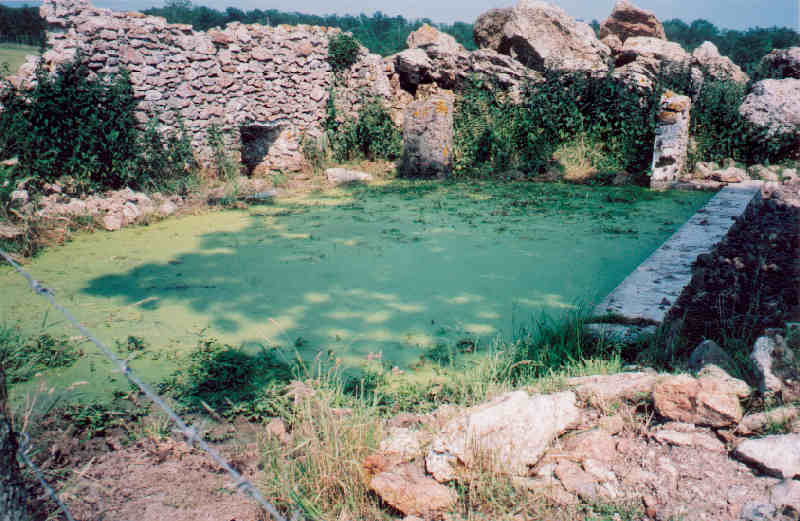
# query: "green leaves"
(342, 52)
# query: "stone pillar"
(672, 140)
(428, 137)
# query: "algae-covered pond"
(391, 269)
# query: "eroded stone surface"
(778, 455)
(627, 20)
(707, 400)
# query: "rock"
(413, 65)
(167, 208)
(731, 174)
(343, 175)
(19, 197)
(717, 66)
(428, 137)
(577, 481)
(708, 400)
(613, 42)
(278, 428)
(410, 491)
(709, 352)
(774, 361)
(781, 63)
(112, 221)
(596, 445)
(777, 456)
(764, 173)
(514, 430)
(402, 445)
(9, 231)
(755, 511)
(627, 20)
(606, 389)
(427, 36)
(643, 58)
(733, 385)
(785, 496)
(671, 148)
(542, 36)
(687, 438)
(774, 105)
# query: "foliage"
(74, 125)
(228, 380)
(493, 133)
(342, 52)
(23, 356)
(22, 25)
(379, 33)
(721, 132)
(372, 135)
(745, 48)
(224, 164)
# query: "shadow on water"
(401, 268)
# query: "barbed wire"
(241, 483)
(22, 453)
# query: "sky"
(730, 14)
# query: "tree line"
(21, 25)
(386, 35)
(379, 33)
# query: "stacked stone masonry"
(270, 82)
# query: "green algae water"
(389, 270)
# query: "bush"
(22, 357)
(372, 135)
(494, 133)
(721, 132)
(342, 52)
(73, 125)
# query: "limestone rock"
(402, 445)
(778, 456)
(774, 105)
(643, 58)
(512, 432)
(717, 66)
(627, 20)
(707, 400)
(410, 491)
(673, 434)
(606, 389)
(167, 208)
(753, 423)
(112, 222)
(413, 65)
(428, 137)
(781, 63)
(542, 36)
(613, 42)
(343, 175)
(427, 36)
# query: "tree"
(13, 506)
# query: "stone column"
(428, 137)
(672, 140)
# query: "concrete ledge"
(648, 293)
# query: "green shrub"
(721, 132)
(228, 380)
(22, 357)
(372, 135)
(494, 133)
(223, 163)
(84, 128)
(342, 52)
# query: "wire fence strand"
(242, 484)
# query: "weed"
(225, 166)
(371, 135)
(22, 357)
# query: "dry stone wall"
(265, 86)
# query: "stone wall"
(265, 86)
(671, 147)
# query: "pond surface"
(391, 269)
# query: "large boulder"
(775, 364)
(717, 66)
(644, 58)
(774, 105)
(427, 36)
(509, 433)
(627, 20)
(781, 63)
(542, 36)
